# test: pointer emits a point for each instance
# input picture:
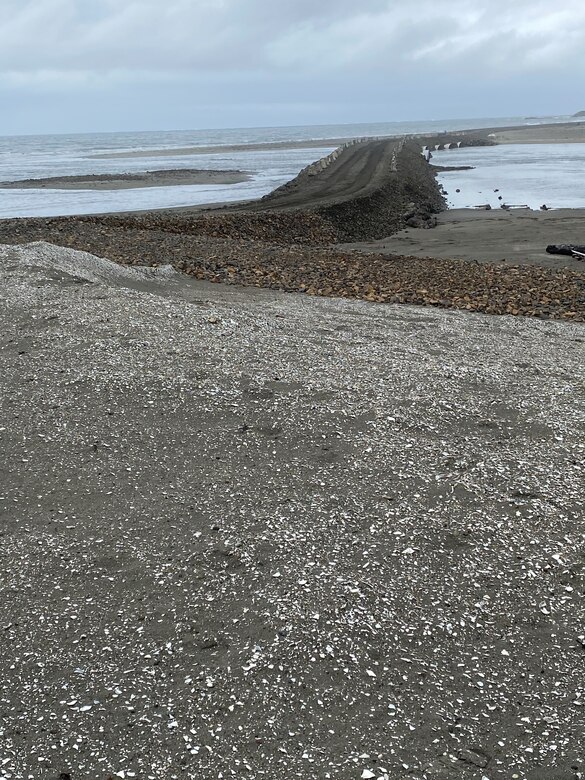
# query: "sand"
(515, 237)
(320, 143)
(262, 534)
(569, 133)
(126, 181)
(266, 535)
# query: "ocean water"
(23, 157)
(522, 174)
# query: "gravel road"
(247, 533)
(358, 171)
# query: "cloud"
(231, 35)
(309, 59)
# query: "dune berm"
(300, 237)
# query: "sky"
(111, 65)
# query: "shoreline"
(571, 133)
(310, 236)
(499, 237)
(326, 143)
(122, 181)
(564, 132)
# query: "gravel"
(255, 534)
(462, 284)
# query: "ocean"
(549, 174)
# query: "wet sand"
(127, 181)
(569, 133)
(515, 237)
(324, 143)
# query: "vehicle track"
(358, 172)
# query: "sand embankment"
(310, 536)
(560, 132)
(124, 181)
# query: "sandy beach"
(569, 133)
(320, 143)
(310, 535)
(123, 181)
(557, 132)
(514, 237)
(284, 497)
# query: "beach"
(249, 147)
(514, 237)
(293, 487)
(571, 133)
(314, 536)
(338, 229)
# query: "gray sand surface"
(569, 133)
(518, 237)
(324, 143)
(252, 534)
(127, 181)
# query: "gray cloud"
(253, 48)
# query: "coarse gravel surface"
(247, 533)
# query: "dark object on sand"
(485, 207)
(544, 207)
(572, 250)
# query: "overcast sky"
(89, 65)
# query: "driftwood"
(572, 250)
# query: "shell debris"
(318, 538)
